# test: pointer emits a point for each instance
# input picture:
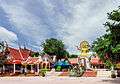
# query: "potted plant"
(42, 73)
(113, 75)
(118, 73)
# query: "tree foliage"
(108, 45)
(3, 59)
(36, 54)
(73, 56)
(3, 54)
(56, 47)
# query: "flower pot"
(43, 74)
(118, 73)
(113, 76)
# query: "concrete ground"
(58, 80)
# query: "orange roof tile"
(96, 61)
(18, 54)
(73, 60)
(15, 54)
(25, 53)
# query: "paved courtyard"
(58, 80)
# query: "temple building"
(21, 59)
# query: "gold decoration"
(84, 48)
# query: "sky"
(30, 22)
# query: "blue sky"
(30, 22)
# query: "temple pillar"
(14, 68)
(32, 71)
(25, 68)
(38, 68)
(45, 65)
(42, 65)
(3, 68)
(49, 65)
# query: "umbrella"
(64, 64)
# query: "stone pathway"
(58, 80)
(53, 73)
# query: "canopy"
(64, 63)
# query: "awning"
(62, 63)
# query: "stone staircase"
(102, 73)
(64, 74)
(89, 73)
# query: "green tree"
(54, 46)
(113, 27)
(102, 46)
(109, 44)
(42, 53)
(62, 54)
(3, 59)
(3, 56)
(73, 56)
(36, 54)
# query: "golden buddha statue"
(84, 48)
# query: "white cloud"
(25, 22)
(86, 22)
(71, 20)
(6, 35)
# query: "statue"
(84, 54)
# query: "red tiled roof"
(25, 53)
(15, 54)
(18, 54)
(73, 60)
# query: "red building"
(19, 58)
(96, 62)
